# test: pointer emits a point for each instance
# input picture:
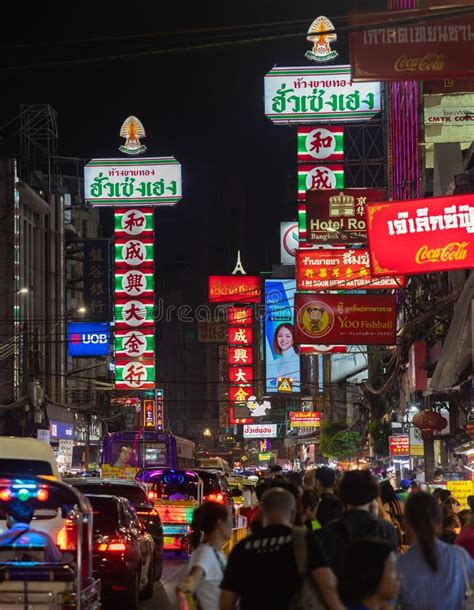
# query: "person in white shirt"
(211, 527)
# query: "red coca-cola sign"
(421, 235)
(405, 45)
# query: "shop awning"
(456, 354)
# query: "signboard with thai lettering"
(318, 94)
(416, 50)
(234, 289)
(345, 319)
(339, 270)
(337, 217)
(145, 181)
(305, 419)
(399, 445)
(421, 235)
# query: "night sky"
(204, 107)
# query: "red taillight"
(42, 495)
(5, 495)
(216, 498)
(114, 546)
(67, 537)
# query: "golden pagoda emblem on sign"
(321, 33)
(132, 130)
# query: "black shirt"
(355, 524)
(262, 568)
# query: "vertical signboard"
(317, 144)
(160, 409)
(96, 293)
(282, 358)
(240, 341)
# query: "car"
(135, 493)
(215, 487)
(123, 551)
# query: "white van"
(215, 463)
(24, 456)
(29, 456)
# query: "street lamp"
(82, 310)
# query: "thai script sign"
(318, 94)
(320, 144)
(305, 419)
(234, 289)
(434, 49)
(399, 445)
(338, 217)
(338, 270)
(421, 235)
(96, 293)
(349, 319)
(260, 431)
(147, 181)
(318, 176)
(449, 118)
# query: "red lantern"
(429, 422)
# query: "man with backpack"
(358, 491)
(265, 570)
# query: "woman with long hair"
(432, 571)
(211, 528)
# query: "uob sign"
(88, 339)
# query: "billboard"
(432, 50)
(317, 144)
(318, 94)
(337, 217)
(260, 431)
(281, 355)
(88, 339)
(234, 289)
(288, 242)
(421, 235)
(339, 270)
(305, 419)
(132, 182)
(349, 319)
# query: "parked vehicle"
(135, 493)
(33, 583)
(125, 453)
(123, 551)
(175, 494)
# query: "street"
(164, 597)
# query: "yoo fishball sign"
(421, 235)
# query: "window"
(133, 493)
(106, 517)
(153, 454)
(25, 467)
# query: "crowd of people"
(321, 541)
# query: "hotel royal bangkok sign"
(421, 235)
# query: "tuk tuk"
(27, 580)
(175, 494)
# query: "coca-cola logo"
(454, 251)
(432, 62)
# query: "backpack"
(308, 596)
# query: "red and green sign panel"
(320, 144)
(319, 176)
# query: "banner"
(421, 235)
(305, 419)
(281, 355)
(338, 217)
(318, 94)
(399, 446)
(420, 50)
(234, 289)
(339, 270)
(348, 319)
(135, 182)
(96, 293)
(320, 144)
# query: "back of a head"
(21, 512)
(309, 499)
(329, 508)
(261, 488)
(278, 502)
(387, 492)
(275, 469)
(308, 479)
(326, 476)
(363, 569)
(423, 515)
(358, 487)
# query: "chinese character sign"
(97, 279)
(316, 144)
(134, 299)
(133, 182)
(319, 176)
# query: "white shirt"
(208, 591)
